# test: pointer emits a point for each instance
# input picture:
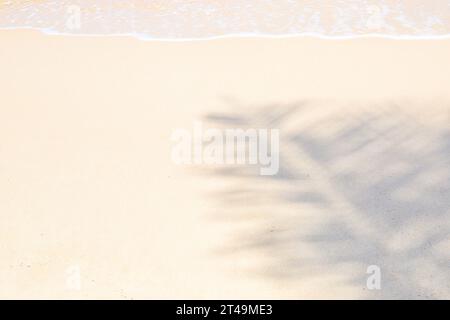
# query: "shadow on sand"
(356, 187)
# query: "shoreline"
(139, 36)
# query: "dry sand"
(87, 182)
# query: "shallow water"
(199, 19)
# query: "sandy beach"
(88, 188)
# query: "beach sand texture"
(87, 183)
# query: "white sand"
(86, 178)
